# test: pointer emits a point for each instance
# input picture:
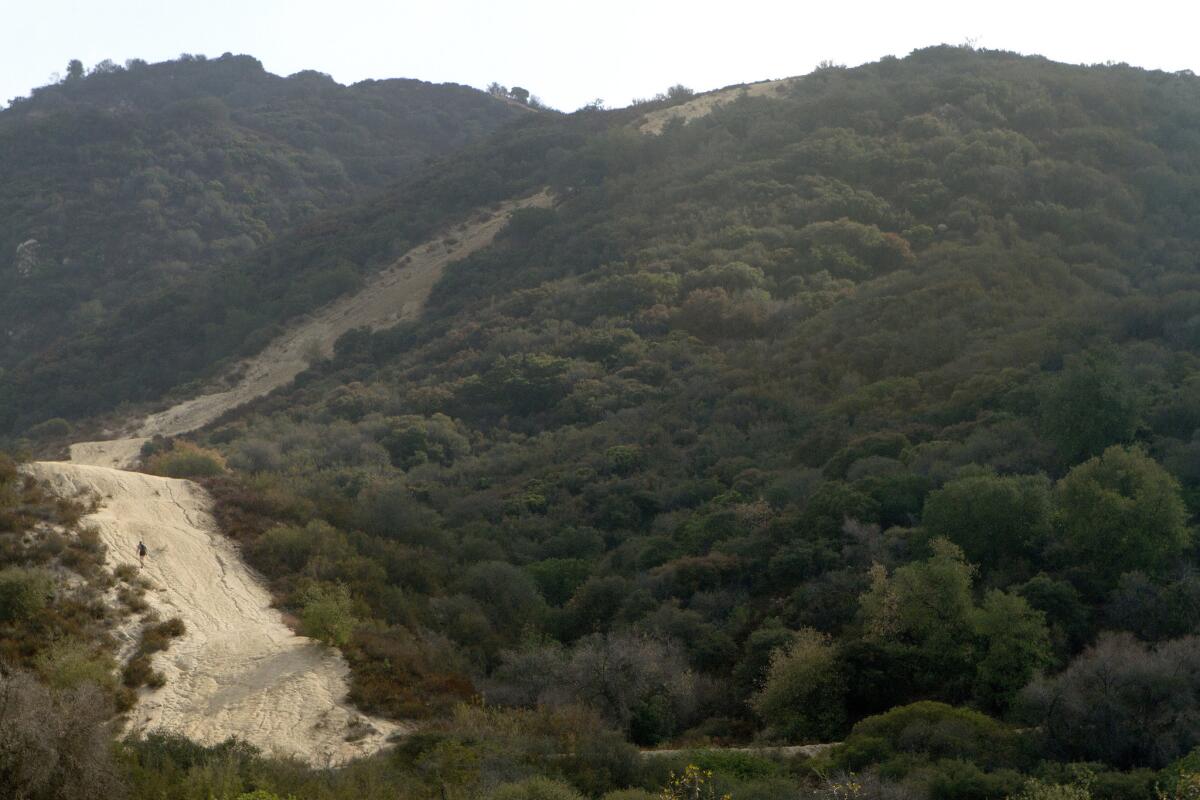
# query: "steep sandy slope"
(702, 105)
(115, 453)
(391, 296)
(238, 670)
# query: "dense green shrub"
(23, 593)
(186, 460)
(535, 789)
(327, 614)
(803, 694)
(929, 731)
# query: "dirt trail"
(655, 121)
(238, 670)
(393, 295)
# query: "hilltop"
(129, 195)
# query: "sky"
(570, 53)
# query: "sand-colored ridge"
(654, 122)
(238, 670)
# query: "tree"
(1015, 644)
(107, 66)
(508, 594)
(640, 683)
(833, 503)
(328, 614)
(997, 521)
(412, 440)
(803, 695)
(1089, 407)
(595, 605)
(929, 730)
(74, 69)
(758, 651)
(1121, 512)
(558, 578)
(1121, 702)
(519, 94)
(926, 608)
(1068, 616)
(923, 603)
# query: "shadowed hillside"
(123, 193)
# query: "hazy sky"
(570, 52)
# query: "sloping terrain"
(654, 122)
(134, 202)
(394, 294)
(238, 670)
(680, 419)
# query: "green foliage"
(327, 614)
(23, 593)
(1016, 645)
(931, 731)
(1039, 790)
(194, 167)
(927, 604)
(70, 664)
(693, 783)
(538, 788)
(186, 460)
(413, 440)
(802, 697)
(813, 347)
(1121, 511)
(1089, 407)
(999, 522)
(558, 578)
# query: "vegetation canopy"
(863, 411)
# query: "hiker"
(141, 553)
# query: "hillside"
(126, 194)
(859, 409)
(737, 366)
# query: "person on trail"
(141, 550)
